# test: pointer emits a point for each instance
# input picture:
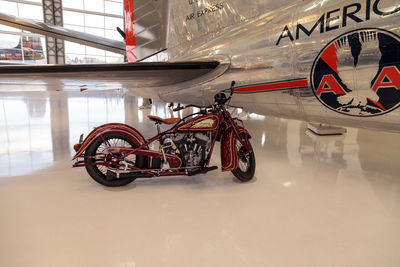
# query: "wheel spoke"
(244, 161)
(99, 160)
(110, 143)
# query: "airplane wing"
(139, 78)
(63, 33)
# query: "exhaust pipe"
(131, 175)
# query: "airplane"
(31, 47)
(324, 61)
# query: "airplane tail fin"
(19, 45)
(145, 28)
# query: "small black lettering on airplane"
(191, 2)
(337, 18)
(205, 11)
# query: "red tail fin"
(130, 31)
(146, 28)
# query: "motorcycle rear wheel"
(98, 172)
(247, 164)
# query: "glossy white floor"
(315, 201)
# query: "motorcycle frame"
(225, 123)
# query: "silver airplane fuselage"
(326, 61)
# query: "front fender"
(127, 130)
(229, 155)
(244, 131)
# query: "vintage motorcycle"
(116, 154)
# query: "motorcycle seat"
(165, 121)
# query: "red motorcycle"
(116, 154)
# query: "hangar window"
(98, 17)
(17, 46)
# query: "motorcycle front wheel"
(246, 165)
(95, 151)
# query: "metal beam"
(52, 14)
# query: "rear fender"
(124, 129)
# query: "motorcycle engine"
(192, 148)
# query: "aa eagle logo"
(358, 73)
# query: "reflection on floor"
(316, 201)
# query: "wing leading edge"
(133, 77)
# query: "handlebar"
(190, 106)
(179, 107)
(232, 90)
(232, 85)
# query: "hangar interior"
(314, 201)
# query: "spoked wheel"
(96, 153)
(246, 165)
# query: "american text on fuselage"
(349, 12)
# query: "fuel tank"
(200, 124)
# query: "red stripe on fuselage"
(272, 86)
(130, 31)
